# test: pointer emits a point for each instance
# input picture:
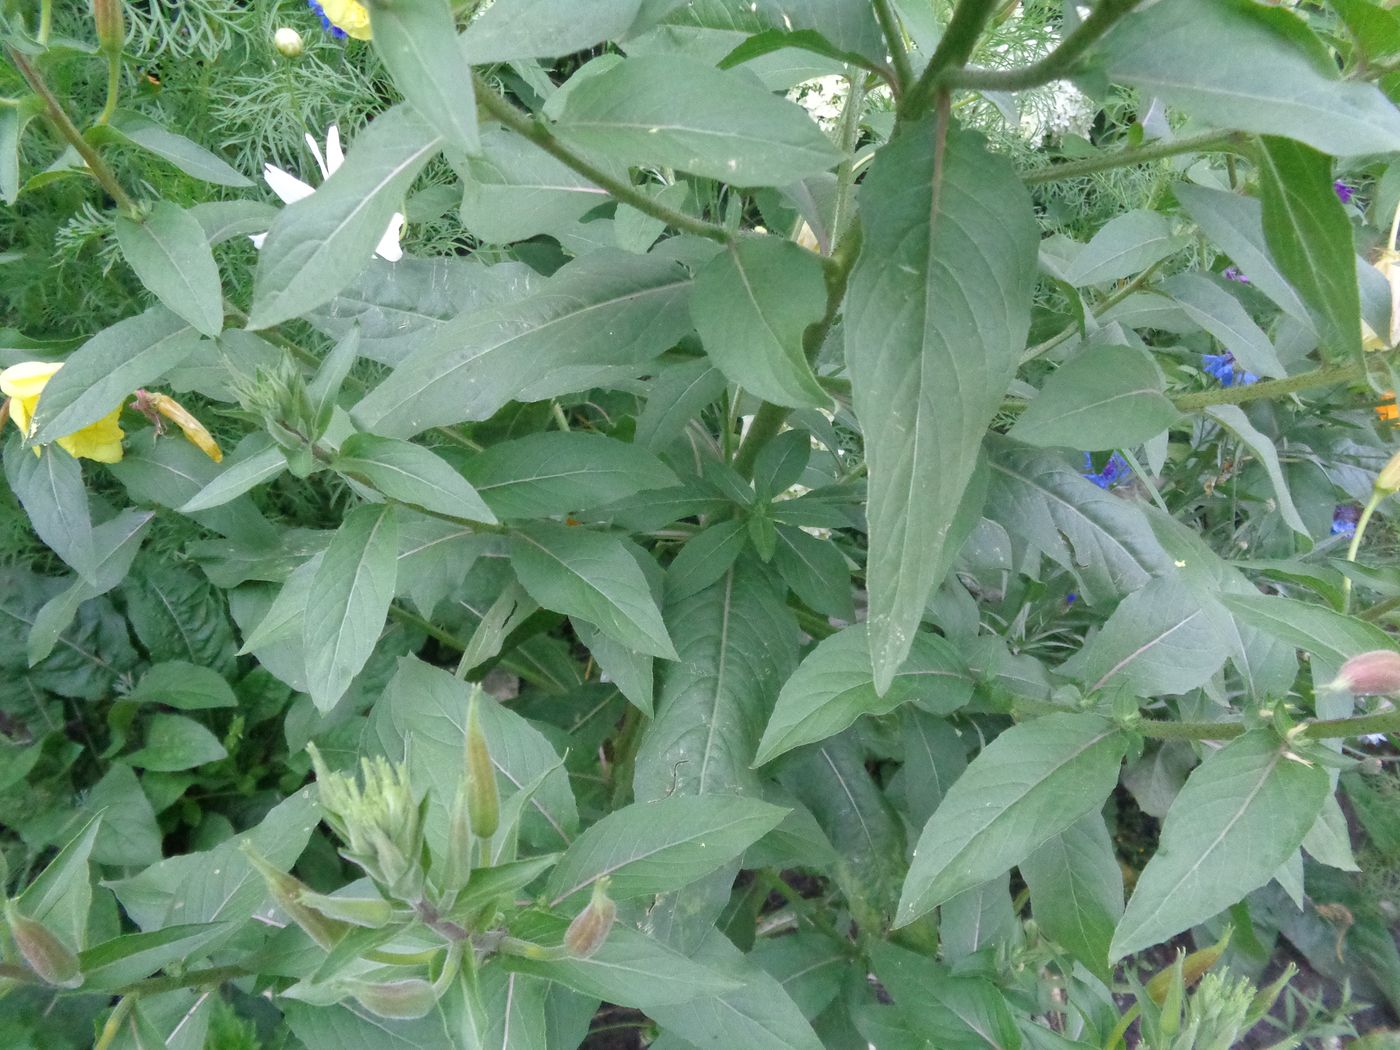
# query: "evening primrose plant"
(718, 524)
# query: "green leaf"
(1207, 303)
(319, 244)
(134, 129)
(178, 616)
(547, 474)
(675, 111)
(816, 571)
(1077, 891)
(61, 895)
(103, 372)
(630, 969)
(677, 394)
(514, 190)
(934, 758)
(411, 474)
(1310, 237)
(966, 1013)
(706, 557)
(835, 685)
(343, 1027)
(808, 965)
(419, 47)
(738, 644)
(751, 305)
(1125, 245)
(348, 601)
(1328, 841)
(515, 1010)
(129, 836)
(632, 672)
(224, 220)
(1160, 640)
(1241, 815)
(936, 319)
(126, 959)
(237, 478)
(593, 576)
(1104, 541)
(170, 255)
(1328, 635)
(49, 486)
(606, 309)
(1028, 785)
(760, 1015)
(546, 28)
(183, 685)
(653, 847)
(173, 743)
(1104, 398)
(1237, 64)
(1236, 224)
(1233, 419)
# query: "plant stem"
(212, 975)
(1203, 143)
(1102, 308)
(1328, 375)
(53, 109)
(1355, 545)
(845, 172)
(894, 40)
(1054, 66)
(114, 83)
(953, 51)
(45, 22)
(767, 422)
(538, 132)
(1163, 729)
(113, 1026)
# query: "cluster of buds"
(280, 398)
(378, 819)
(52, 961)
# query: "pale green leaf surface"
(169, 253)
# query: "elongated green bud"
(457, 866)
(1388, 480)
(373, 912)
(404, 1000)
(1193, 968)
(287, 891)
(46, 955)
(483, 802)
(111, 28)
(591, 926)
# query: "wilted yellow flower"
(348, 16)
(195, 431)
(24, 382)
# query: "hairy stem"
(1054, 66)
(114, 83)
(538, 132)
(1163, 729)
(1328, 375)
(1203, 143)
(953, 51)
(894, 40)
(53, 109)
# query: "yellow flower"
(24, 382)
(195, 431)
(349, 16)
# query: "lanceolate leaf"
(1233, 418)
(1241, 815)
(169, 253)
(419, 46)
(318, 245)
(517, 29)
(1331, 636)
(1029, 784)
(936, 319)
(348, 600)
(49, 487)
(1310, 238)
(1077, 890)
(411, 474)
(514, 190)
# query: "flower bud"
(483, 802)
(373, 912)
(591, 926)
(287, 41)
(287, 891)
(404, 1000)
(111, 30)
(1370, 674)
(1193, 968)
(46, 955)
(1388, 480)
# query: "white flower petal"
(257, 239)
(388, 247)
(290, 188)
(316, 152)
(335, 156)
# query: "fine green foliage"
(771, 525)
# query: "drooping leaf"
(1029, 784)
(1106, 397)
(419, 47)
(751, 305)
(1243, 812)
(632, 672)
(676, 111)
(348, 600)
(935, 323)
(1328, 635)
(968, 1013)
(1077, 890)
(1221, 314)
(1126, 245)
(138, 130)
(171, 256)
(178, 616)
(1233, 418)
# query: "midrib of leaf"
(1144, 647)
(355, 583)
(720, 671)
(855, 806)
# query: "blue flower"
(1113, 471)
(1343, 191)
(1224, 368)
(1232, 273)
(1344, 519)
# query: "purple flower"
(1113, 471)
(1232, 273)
(1344, 519)
(1224, 368)
(1343, 191)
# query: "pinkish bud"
(46, 955)
(591, 926)
(1371, 674)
